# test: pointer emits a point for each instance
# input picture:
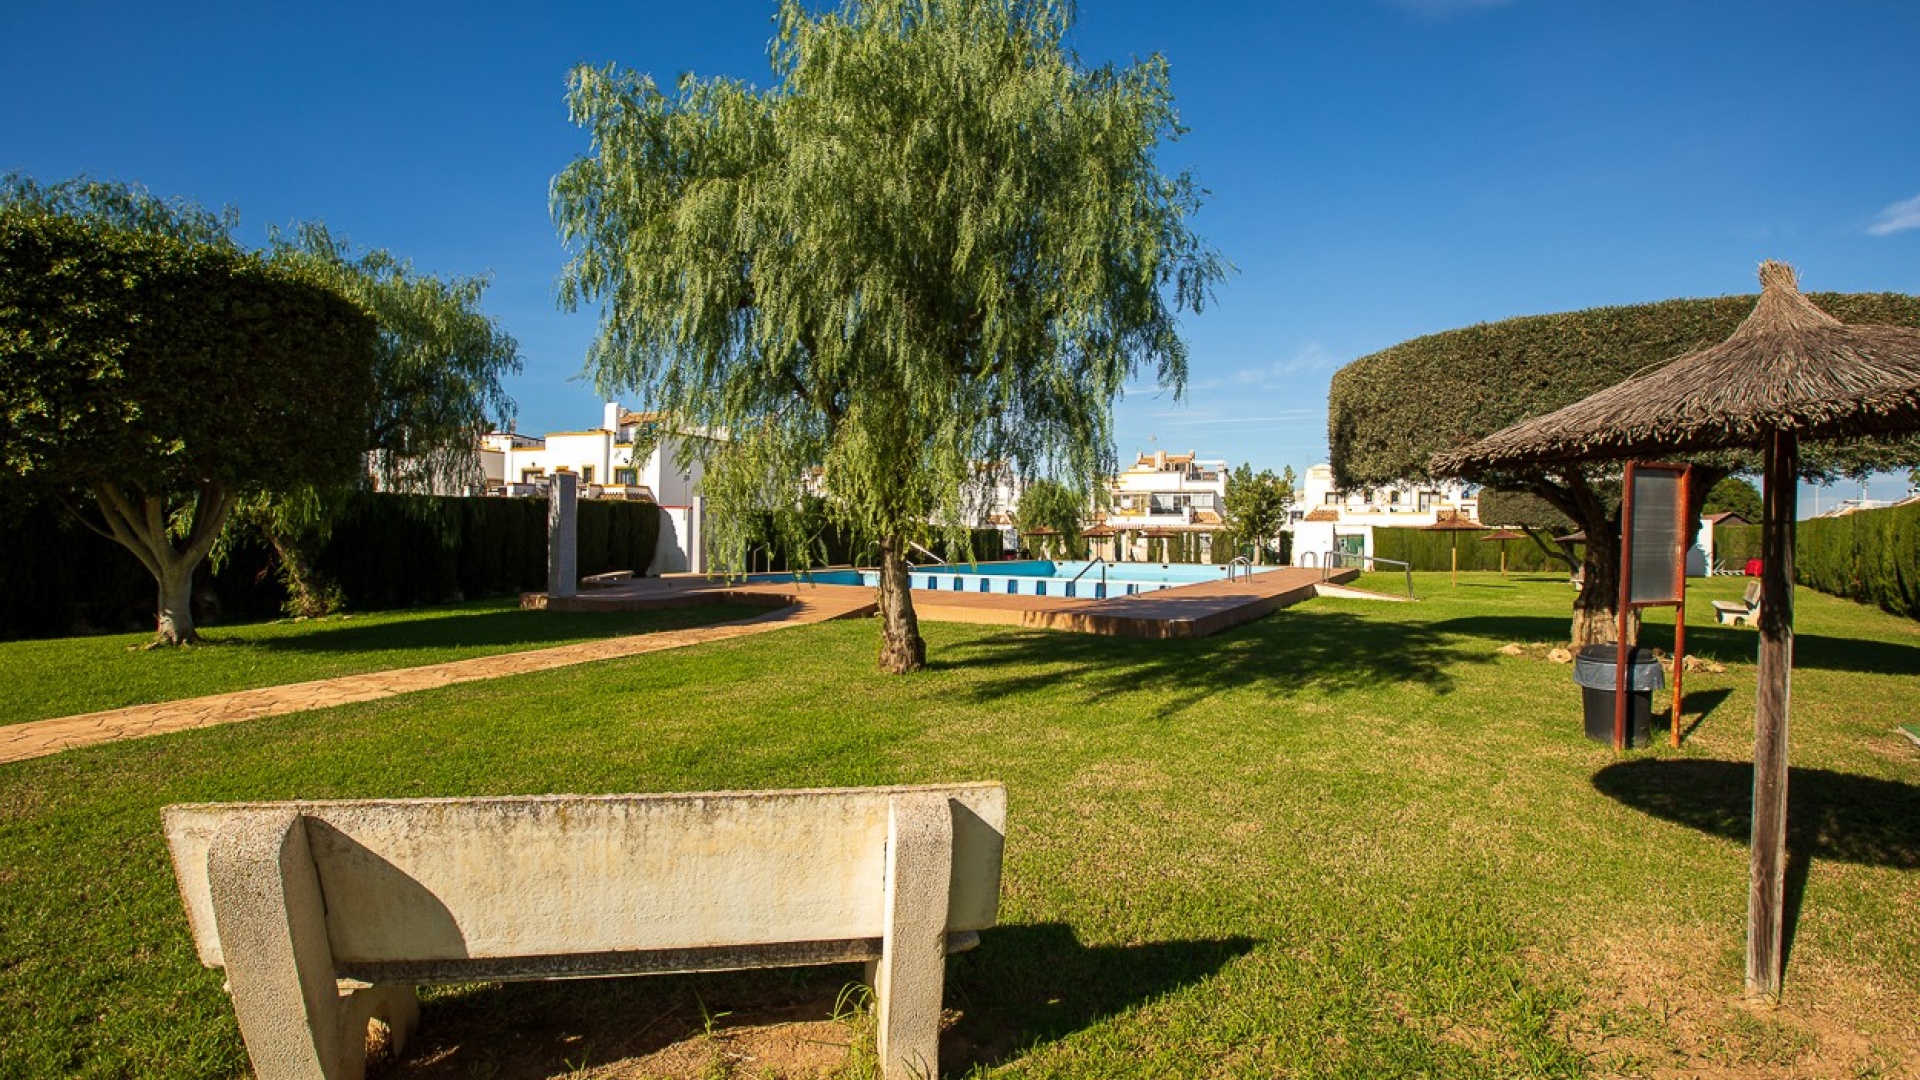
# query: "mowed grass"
(64, 676)
(1351, 839)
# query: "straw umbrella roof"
(1789, 367)
(1454, 522)
(1501, 534)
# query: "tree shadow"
(1726, 644)
(1699, 704)
(1834, 816)
(1280, 654)
(492, 629)
(1021, 986)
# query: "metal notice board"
(1653, 570)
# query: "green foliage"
(400, 550)
(1735, 495)
(1256, 506)
(1390, 411)
(437, 381)
(388, 551)
(1429, 549)
(1871, 556)
(129, 358)
(934, 241)
(1050, 504)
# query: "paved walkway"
(38, 738)
(1187, 611)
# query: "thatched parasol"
(1501, 536)
(1456, 523)
(1789, 372)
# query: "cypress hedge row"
(385, 551)
(1872, 556)
(1431, 550)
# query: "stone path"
(38, 738)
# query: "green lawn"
(64, 676)
(1351, 839)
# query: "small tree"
(166, 379)
(437, 387)
(1050, 504)
(1737, 496)
(1256, 507)
(935, 241)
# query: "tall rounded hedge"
(1390, 411)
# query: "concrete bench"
(1745, 610)
(326, 915)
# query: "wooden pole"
(1456, 560)
(1766, 897)
(1624, 606)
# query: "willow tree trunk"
(307, 593)
(901, 647)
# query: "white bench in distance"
(326, 915)
(1745, 610)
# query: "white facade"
(1164, 494)
(1326, 518)
(603, 460)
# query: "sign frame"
(1674, 597)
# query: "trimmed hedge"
(386, 551)
(1872, 556)
(1430, 550)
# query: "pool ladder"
(1099, 561)
(1240, 561)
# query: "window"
(626, 476)
(586, 474)
(531, 476)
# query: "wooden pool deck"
(1182, 611)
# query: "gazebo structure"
(1789, 373)
(1455, 523)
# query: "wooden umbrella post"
(1766, 897)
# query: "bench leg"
(267, 907)
(910, 975)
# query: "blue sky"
(1378, 169)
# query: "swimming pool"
(1033, 577)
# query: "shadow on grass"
(1028, 985)
(1023, 985)
(1727, 644)
(1700, 704)
(1834, 816)
(1284, 652)
(470, 630)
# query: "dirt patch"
(1650, 1008)
(763, 1025)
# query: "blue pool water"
(1033, 577)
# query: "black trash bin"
(1594, 671)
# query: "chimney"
(612, 420)
(1160, 460)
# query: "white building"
(668, 473)
(1326, 518)
(1164, 496)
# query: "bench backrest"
(1752, 594)
(475, 878)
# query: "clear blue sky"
(1378, 169)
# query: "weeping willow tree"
(936, 240)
